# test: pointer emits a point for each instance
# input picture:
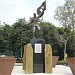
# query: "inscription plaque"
(38, 48)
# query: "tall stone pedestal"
(48, 58)
(28, 59)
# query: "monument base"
(29, 61)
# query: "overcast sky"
(11, 10)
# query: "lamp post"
(21, 44)
(21, 50)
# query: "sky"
(11, 10)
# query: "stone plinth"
(48, 58)
(28, 59)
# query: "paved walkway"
(58, 70)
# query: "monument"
(37, 56)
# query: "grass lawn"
(62, 62)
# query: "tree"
(66, 14)
(5, 43)
(71, 45)
(21, 35)
(48, 33)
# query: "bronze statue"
(36, 19)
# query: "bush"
(55, 52)
(70, 53)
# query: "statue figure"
(35, 19)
